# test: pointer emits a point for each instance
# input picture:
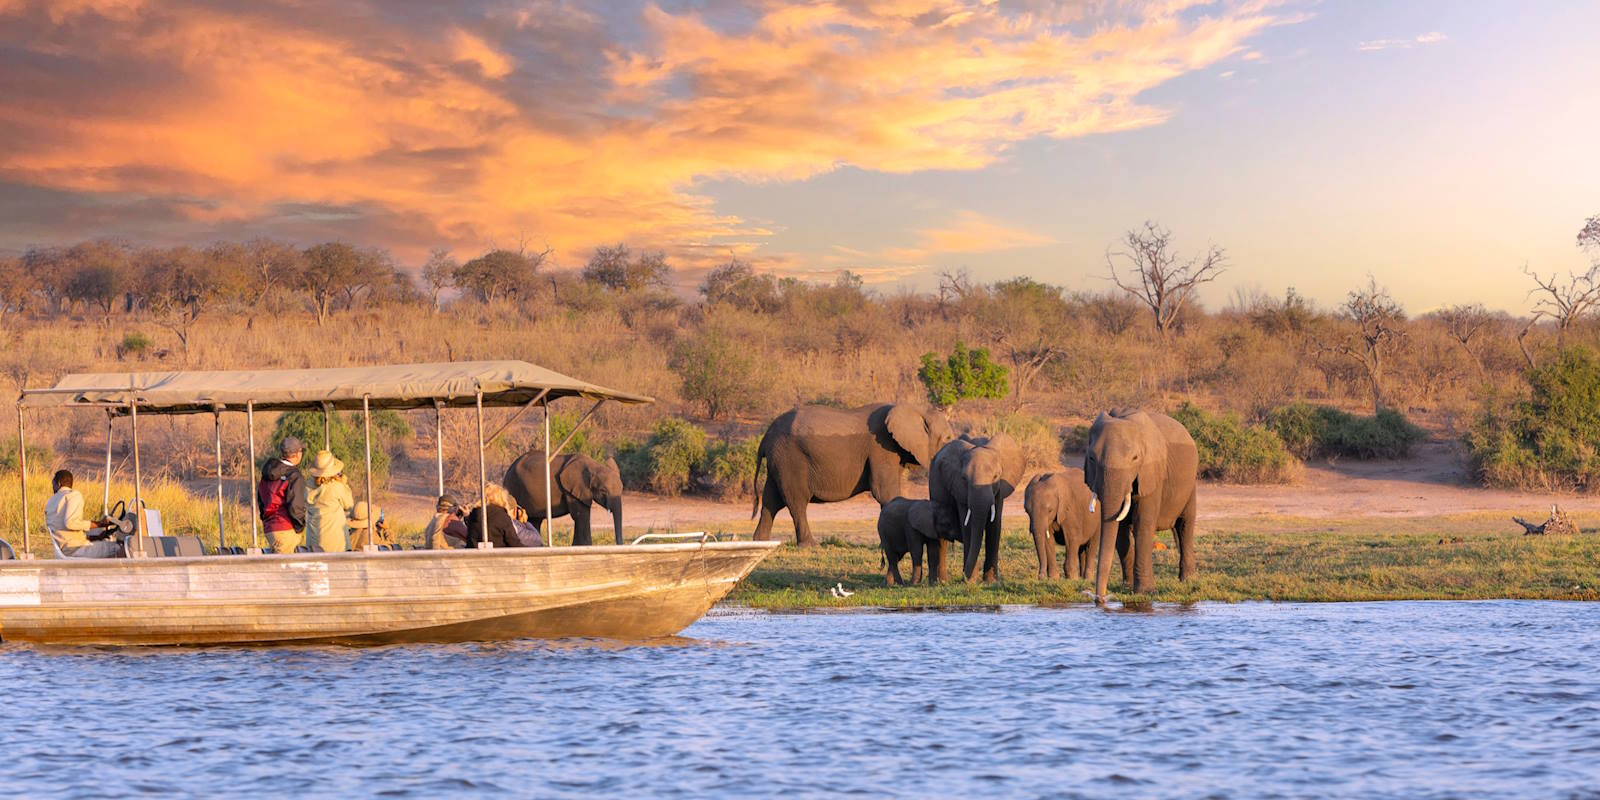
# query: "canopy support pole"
(550, 522)
(216, 416)
(255, 522)
(105, 496)
(494, 437)
(138, 483)
(327, 425)
(550, 456)
(372, 510)
(438, 440)
(483, 484)
(22, 480)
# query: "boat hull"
(630, 592)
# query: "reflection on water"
(1393, 699)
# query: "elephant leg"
(581, 534)
(938, 570)
(891, 575)
(771, 504)
(1183, 532)
(1045, 549)
(991, 545)
(802, 527)
(1070, 562)
(1144, 544)
(916, 560)
(1124, 541)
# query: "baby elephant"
(1061, 508)
(905, 526)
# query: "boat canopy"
(457, 384)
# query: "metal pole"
(483, 481)
(138, 481)
(255, 522)
(216, 415)
(105, 498)
(22, 479)
(575, 428)
(372, 521)
(550, 522)
(495, 437)
(327, 423)
(438, 440)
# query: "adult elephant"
(1141, 467)
(578, 482)
(968, 483)
(818, 454)
(1062, 511)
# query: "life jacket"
(273, 495)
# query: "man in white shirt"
(63, 517)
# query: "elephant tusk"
(991, 513)
(967, 520)
(1127, 504)
(1091, 504)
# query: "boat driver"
(76, 536)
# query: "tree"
(1158, 277)
(1566, 301)
(438, 274)
(17, 285)
(619, 270)
(335, 270)
(719, 370)
(1379, 321)
(1029, 321)
(500, 274)
(1589, 236)
(97, 276)
(962, 375)
(737, 284)
(178, 285)
(1464, 322)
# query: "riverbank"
(1458, 557)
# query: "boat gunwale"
(280, 558)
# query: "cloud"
(1432, 37)
(964, 233)
(472, 122)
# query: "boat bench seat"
(170, 546)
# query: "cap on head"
(446, 503)
(292, 445)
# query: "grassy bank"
(1285, 559)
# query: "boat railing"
(686, 536)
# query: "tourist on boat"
(281, 497)
(63, 517)
(367, 526)
(502, 533)
(527, 532)
(445, 531)
(327, 504)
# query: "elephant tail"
(755, 483)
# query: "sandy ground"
(1432, 483)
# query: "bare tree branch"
(1157, 276)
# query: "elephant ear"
(909, 431)
(1153, 465)
(611, 467)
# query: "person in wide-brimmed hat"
(367, 527)
(328, 501)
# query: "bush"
(1235, 452)
(719, 370)
(347, 439)
(582, 443)
(665, 463)
(1320, 431)
(962, 375)
(1040, 448)
(1074, 441)
(1548, 440)
(40, 457)
(728, 468)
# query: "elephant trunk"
(1044, 544)
(614, 505)
(1113, 484)
(980, 512)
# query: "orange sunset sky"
(1438, 146)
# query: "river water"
(1484, 699)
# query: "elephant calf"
(905, 526)
(1062, 510)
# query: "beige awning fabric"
(503, 383)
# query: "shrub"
(720, 371)
(1311, 431)
(40, 457)
(1233, 451)
(665, 463)
(584, 442)
(1040, 448)
(728, 468)
(1074, 440)
(963, 374)
(1548, 440)
(347, 440)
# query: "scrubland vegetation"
(1265, 381)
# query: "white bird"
(840, 591)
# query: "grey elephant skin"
(818, 454)
(1062, 511)
(905, 527)
(968, 483)
(578, 482)
(1142, 468)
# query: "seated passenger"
(367, 527)
(445, 531)
(502, 532)
(527, 532)
(76, 536)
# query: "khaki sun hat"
(361, 516)
(326, 465)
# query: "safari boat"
(171, 592)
